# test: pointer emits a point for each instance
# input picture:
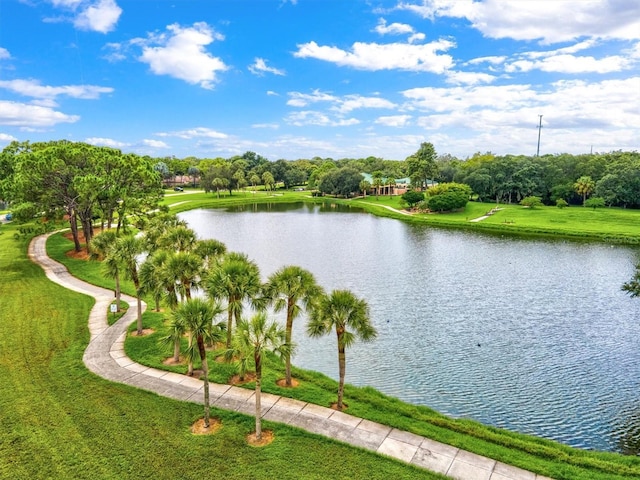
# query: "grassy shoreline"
(610, 225)
(542, 456)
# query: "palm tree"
(158, 226)
(197, 315)
(177, 329)
(152, 276)
(377, 182)
(125, 252)
(390, 181)
(364, 186)
(210, 251)
(348, 315)
(584, 186)
(286, 288)
(101, 245)
(253, 339)
(236, 279)
(180, 238)
(185, 269)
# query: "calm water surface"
(530, 335)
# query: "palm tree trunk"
(258, 361)
(229, 324)
(289, 328)
(176, 350)
(190, 366)
(341, 368)
(205, 372)
(139, 302)
(118, 293)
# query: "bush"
(450, 187)
(531, 202)
(561, 203)
(594, 202)
(447, 201)
(412, 197)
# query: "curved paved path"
(105, 356)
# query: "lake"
(530, 335)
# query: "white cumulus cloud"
(154, 143)
(4, 53)
(106, 142)
(198, 132)
(101, 16)
(4, 137)
(308, 117)
(24, 115)
(180, 53)
(259, 67)
(393, 120)
(391, 56)
(393, 29)
(33, 88)
(547, 21)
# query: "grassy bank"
(60, 421)
(614, 225)
(545, 457)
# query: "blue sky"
(330, 78)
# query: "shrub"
(531, 202)
(449, 187)
(412, 197)
(561, 203)
(594, 202)
(448, 201)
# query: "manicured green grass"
(113, 317)
(604, 224)
(542, 456)
(60, 421)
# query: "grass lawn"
(544, 457)
(60, 421)
(603, 224)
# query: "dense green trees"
(421, 166)
(341, 181)
(615, 177)
(82, 182)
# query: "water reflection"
(531, 335)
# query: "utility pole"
(539, 130)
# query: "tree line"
(81, 183)
(85, 183)
(613, 177)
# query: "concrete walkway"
(105, 356)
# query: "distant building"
(391, 186)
